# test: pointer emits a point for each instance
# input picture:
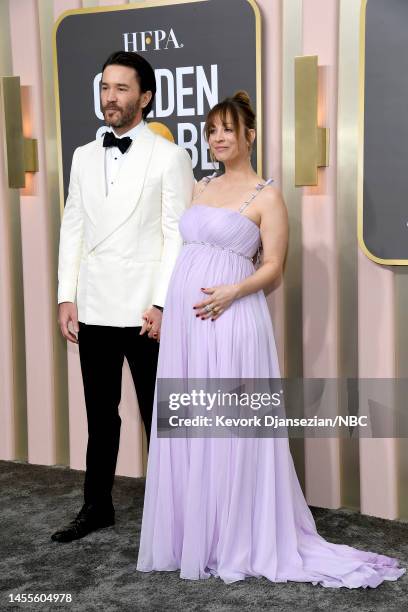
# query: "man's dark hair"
(144, 72)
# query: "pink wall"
(320, 281)
(378, 458)
(272, 129)
(35, 237)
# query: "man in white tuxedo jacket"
(119, 242)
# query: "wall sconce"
(21, 153)
(311, 141)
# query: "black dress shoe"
(87, 520)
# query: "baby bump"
(199, 268)
(205, 266)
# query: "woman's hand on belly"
(220, 298)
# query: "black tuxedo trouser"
(102, 350)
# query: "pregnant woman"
(233, 507)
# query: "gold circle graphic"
(161, 129)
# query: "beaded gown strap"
(258, 188)
(206, 180)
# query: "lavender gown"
(231, 507)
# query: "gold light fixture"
(311, 141)
(21, 153)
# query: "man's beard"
(126, 117)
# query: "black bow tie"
(110, 140)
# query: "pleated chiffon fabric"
(231, 507)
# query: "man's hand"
(68, 312)
(152, 318)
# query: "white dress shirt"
(114, 156)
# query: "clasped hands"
(152, 318)
(220, 299)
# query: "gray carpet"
(100, 570)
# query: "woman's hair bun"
(242, 97)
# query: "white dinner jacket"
(117, 252)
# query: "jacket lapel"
(123, 198)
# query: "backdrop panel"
(201, 50)
(383, 230)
